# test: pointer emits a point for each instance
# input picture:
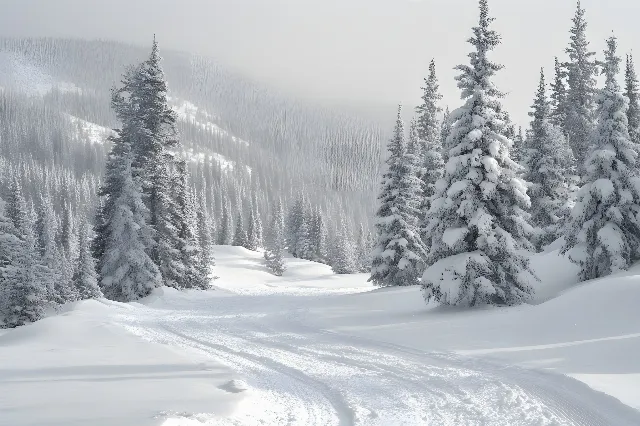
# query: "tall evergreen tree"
(252, 231)
(429, 128)
(581, 78)
(275, 241)
(399, 252)
(603, 236)
(85, 277)
(225, 234)
(344, 256)
(22, 297)
(476, 215)
(558, 112)
(240, 236)
(205, 238)
(127, 272)
(550, 164)
(633, 94)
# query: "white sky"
(361, 52)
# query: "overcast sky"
(357, 51)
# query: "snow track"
(299, 374)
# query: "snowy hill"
(313, 348)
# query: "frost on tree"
(603, 235)
(550, 165)
(344, 252)
(22, 296)
(581, 79)
(633, 94)
(85, 277)
(476, 218)
(398, 255)
(275, 241)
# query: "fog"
(356, 52)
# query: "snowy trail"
(299, 374)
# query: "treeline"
(464, 199)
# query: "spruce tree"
(581, 78)
(399, 252)
(252, 231)
(428, 126)
(205, 238)
(240, 236)
(558, 112)
(85, 277)
(603, 235)
(344, 253)
(295, 218)
(225, 234)
(23, 297)
(633, 94)
(275, 241)
(127, 272)
(550, 164)
(476, 215)
(445, 130)
(187, 238)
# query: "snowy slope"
(312, 348)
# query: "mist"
(368, 54)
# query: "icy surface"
(313, 348)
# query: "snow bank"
(79, 368)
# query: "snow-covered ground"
(312, 348)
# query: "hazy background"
(366, 53)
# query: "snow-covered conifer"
(205, 238)
(558, 112)
(550, 164)
(275, 241)
(428, 126)
(603, 235)
(240, 236)
(476, 217)
(344, 252)
(633, 94)
(252, 231)
(85, 277)
(225, 233)
(581, 78)
(399, 252)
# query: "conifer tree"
(603, 235)
(399, 252)
(295, 218)
(581, 78)
(476, 215)
(319, 237)
(22, 297)
(364, 248)
(445, 130)
(275, 241)
(550, 163)
(85, 277)
(558, 111)
(344, 256)
(252, 231)
(187, 238)
(205, 238)
(240, 236)
(225, 234)
(428, 126)
(127, 272)
(633, 94)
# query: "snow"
(452, 236)
(190, 113)
(93, 133)
(314, 348)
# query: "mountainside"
(241, 137)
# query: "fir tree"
(205, 238)
(275, 241)
(633, 94)
(295, 218)
(252, 231)
(344, 256)
(603, 236)
(225, 235)
(550, 163)
(319, 237)
(399, 252)
(476, 215)
(85, 278)
(127, 272)
(23, 297)
(581, 79)
(364, 248)
(428, 126)
(240, 236)
(445, 130)
(558, 112)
